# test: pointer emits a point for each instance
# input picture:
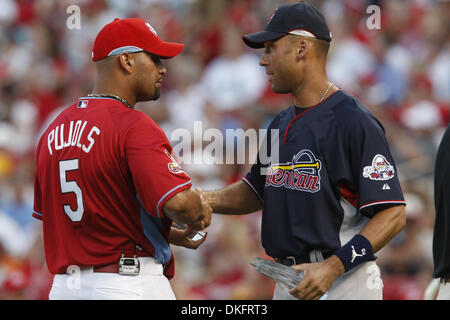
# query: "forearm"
(375, 235)
(384, 226)
(237, 198)
(187, 207)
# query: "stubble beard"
(280, 89)
(156, 94)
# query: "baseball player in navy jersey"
(332, 199)
(441, 234)
(107, 187)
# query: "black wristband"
(355, 252)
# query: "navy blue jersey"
(334, 172)
(441, 234)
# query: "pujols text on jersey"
(59, 139)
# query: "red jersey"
(104, 172)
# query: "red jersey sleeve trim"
(37, 215)
(382, 202)
(170, 194)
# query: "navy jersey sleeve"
(364, 169)
(255, 181)
(256, 177)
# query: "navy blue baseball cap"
(300, 18)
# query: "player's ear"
(301, 48)
(127, 62)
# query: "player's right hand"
(189, 207)
(205, 215)
(319, 277)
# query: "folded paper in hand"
(194, 235)
(282, 274)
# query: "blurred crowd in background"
(401, 72)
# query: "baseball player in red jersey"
(107, 188)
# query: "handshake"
(191, 214)
(193, 208)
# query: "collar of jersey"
(297, 116)
(124, 102)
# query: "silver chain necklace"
(326, 91)
(109, 95)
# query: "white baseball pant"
(444, 291)
(360, 283)
(84, 284)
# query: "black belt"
(444, 279)
(313, 257)
(113, 267)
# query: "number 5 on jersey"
(71, 186)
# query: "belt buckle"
(128, 266)
(291, 260)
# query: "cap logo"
(149, 26)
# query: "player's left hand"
(318, 279)
(183, 238)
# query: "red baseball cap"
(131, 35)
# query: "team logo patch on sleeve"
(302, 173)
(173, 166)
(380, 169)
